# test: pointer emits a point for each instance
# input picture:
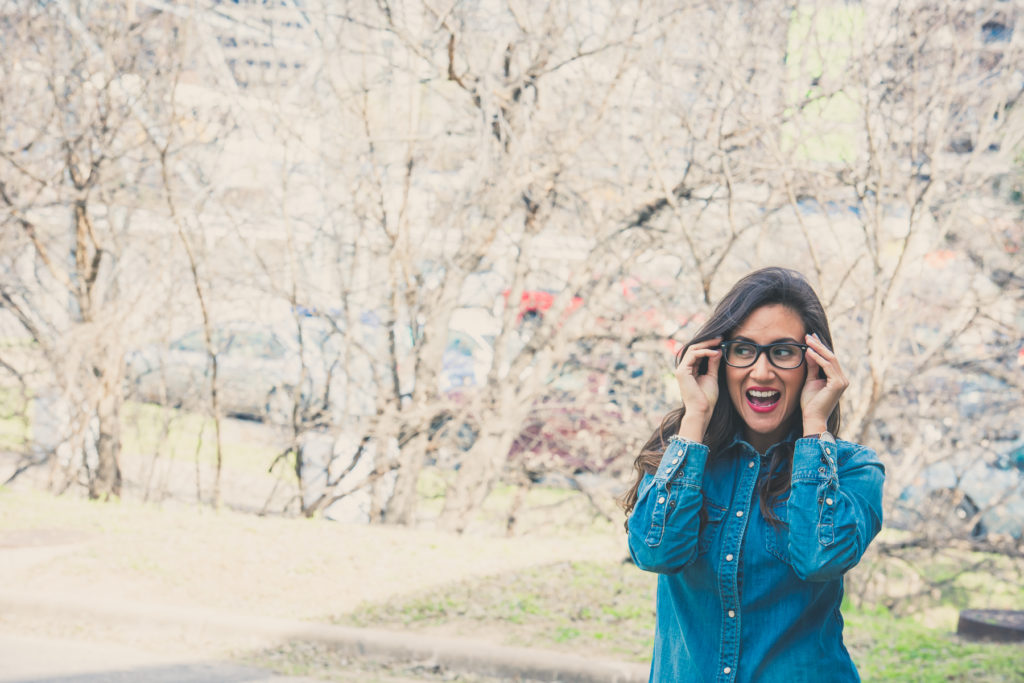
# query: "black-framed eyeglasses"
(783, 355)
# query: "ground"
(121, 556)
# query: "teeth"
(762, 394)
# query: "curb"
(457, 654)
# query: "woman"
(746, 505)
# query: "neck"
(762, 442)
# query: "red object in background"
(539, 301)
(644, 318)
(536, 302)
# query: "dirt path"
(182, 557)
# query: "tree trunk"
(401, 509)
(106, 482)
(481, 468)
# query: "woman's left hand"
(820, 396)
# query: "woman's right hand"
(699, 391)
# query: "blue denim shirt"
(741, 600)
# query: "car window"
(195, 342)
(461, 344)
(255, 344)
(1011, 460)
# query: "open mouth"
(763, 400)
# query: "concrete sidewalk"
(450, 654)
(32, 659)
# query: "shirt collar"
(738, 439)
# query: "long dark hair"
(760, 288)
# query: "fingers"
(819, 346)
(699, 390)
(713, 362)
(820, 356)
(690, 367)
(812, 367)
(696, 352)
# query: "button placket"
(729, 571)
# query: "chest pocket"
(776, 539)
(710, 524)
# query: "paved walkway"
(32, 659)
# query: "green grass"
(15, 419)
(584, 607)
(608, 610)
(934, 583)
(155, 430)
(890, 649)
(149, 430)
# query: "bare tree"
(81, 88)
(565, 189)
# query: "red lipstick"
(762, 399)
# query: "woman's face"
(765, 396)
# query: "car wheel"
(952, 512)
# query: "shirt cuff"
(814, 461)
(683, 460)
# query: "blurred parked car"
(259, 366)
(466, 361)
(580, 423)
(980, 499)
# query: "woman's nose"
(762, 367)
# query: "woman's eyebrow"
(787, 340)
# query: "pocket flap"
(713, 511)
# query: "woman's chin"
(761, 421)
(766, 425)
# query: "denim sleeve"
(665, 521)
(834, 510)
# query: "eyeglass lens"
(784, 356)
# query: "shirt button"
(828, 451)
(739, 513)
(750, 464)
(828, 501)
(675, 461)
(662, 499)
(732, 613)
(728, 558)
(727, 670)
